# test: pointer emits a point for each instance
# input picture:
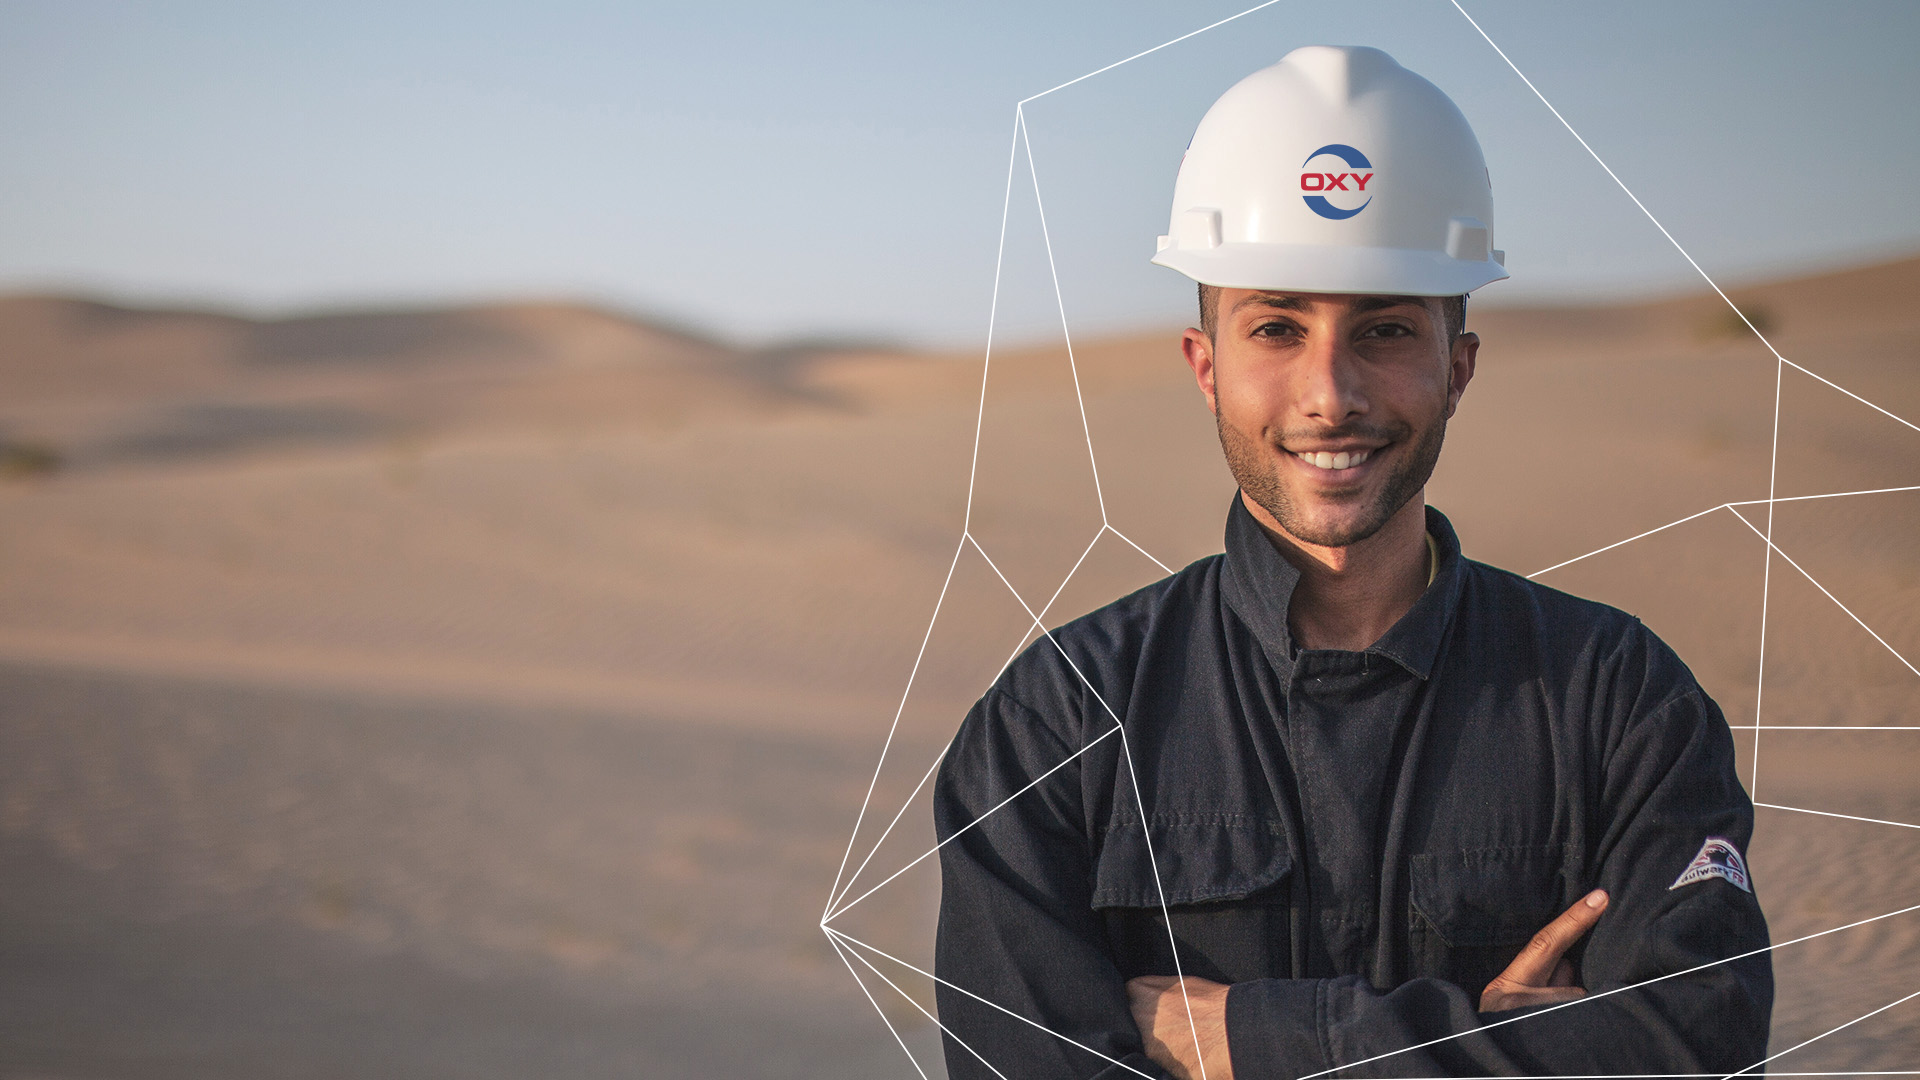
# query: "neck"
(1349, 597)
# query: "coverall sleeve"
(1668, 784)
(1016, 923)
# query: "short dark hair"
(1453, 312)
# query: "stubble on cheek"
(1255, 468)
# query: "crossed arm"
(1687, 986)
(1191, 1048)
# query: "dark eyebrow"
(1379, 303)
(1281, 301)
(1291, 302)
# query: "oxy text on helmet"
(1314, 181)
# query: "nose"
(1329, 387)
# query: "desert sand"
(492, 691)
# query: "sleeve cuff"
(1273, 1028)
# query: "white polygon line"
(1048, 634)
(1065, 334)
(1846, 391)
(1544, 1010)
(1826, 727)
(979, 422)
(1848, 817)
(876, 1005)
(1020, 133)
(1126, 753)
(1153, 865)
(944, 1030)
(931, 769)
(1144, 52)
(938, 758)
(992, 1005)
(993, 311)
(1039, 619)
(881, 764)
(1765, 581)
(1683, 521)
(1836, 600)
(1818, 1037)
(1095, 741)
(1826, 495)
(969, 538)
(1766, 574)
(850, 940)
(941, 756)
(1663, 229)
(1628, 540)
(1139, 549)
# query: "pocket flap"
(1490, 896)
(1201, 857)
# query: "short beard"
(1258, 478)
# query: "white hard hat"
(1335, 170)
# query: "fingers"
(1150, 984)
(1536, 963)
(1181, 1026)
(1144, 995)
(1497, 999)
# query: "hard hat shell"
(1335, 170)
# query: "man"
(1370, 798)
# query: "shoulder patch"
(1718, 858)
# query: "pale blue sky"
(771, 171)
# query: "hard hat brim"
(1319, 268)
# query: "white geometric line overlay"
(843, 884)
(840, 951)
(1829, 595)
(944, 1030)
(1826, 813)
(848, 940)
(1733, 508)
(843, 940)
(1609, 993)
(1822, 1035)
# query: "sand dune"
(518, 655)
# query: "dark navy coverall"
(1357, 841)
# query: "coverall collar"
(1259, 584)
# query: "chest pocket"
(1225, 877)
(1473, 910)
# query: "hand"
(1160, 1009)
(1541, 974)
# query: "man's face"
(1331, 408)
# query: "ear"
(1466, 349)
(1198, 349)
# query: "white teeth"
(1334, 462)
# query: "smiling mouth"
(1334, 462)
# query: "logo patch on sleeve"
(1717, 858)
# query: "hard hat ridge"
(1334, 170)
(1339, 73)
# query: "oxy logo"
(1353, 180)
